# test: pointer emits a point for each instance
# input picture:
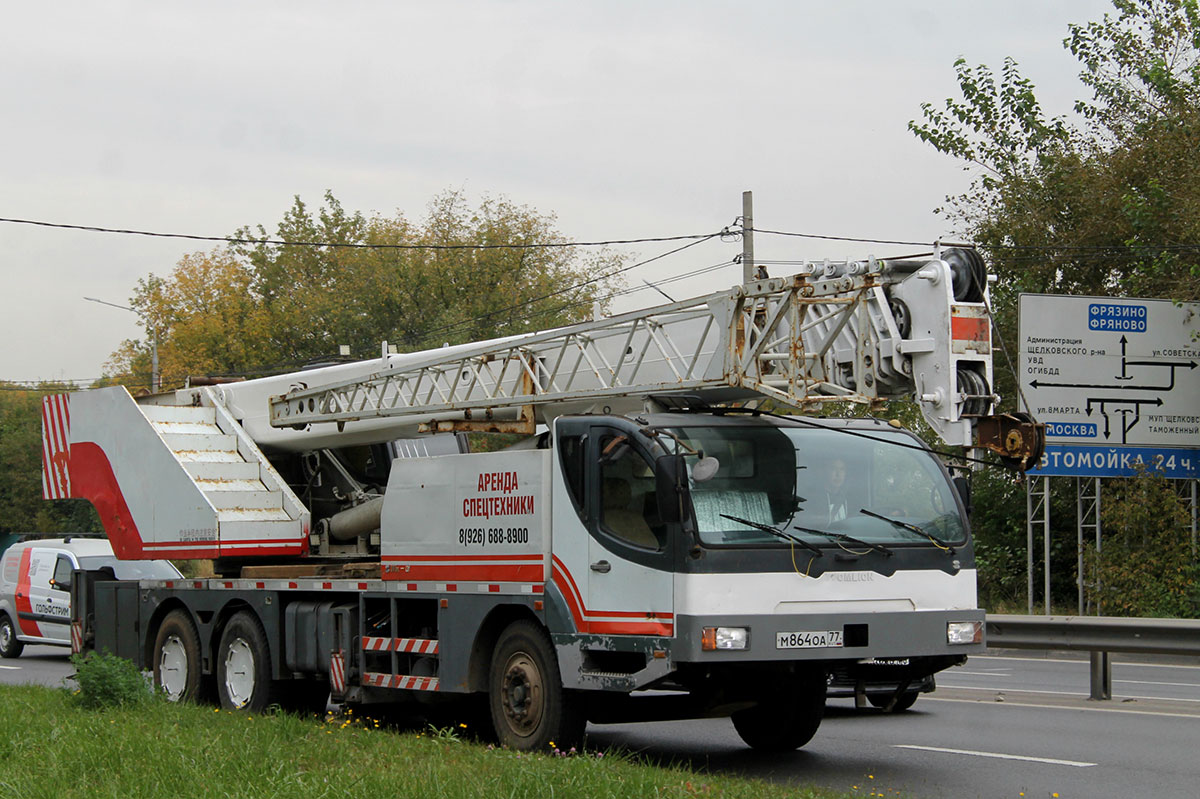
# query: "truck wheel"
(244, 665)
(10, 645)
(177, 658)
(529, 707)
(787, 721)
(903, 703)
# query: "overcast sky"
(626, 119)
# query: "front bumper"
(863, 635)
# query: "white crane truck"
(660, 546)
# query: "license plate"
(809, 640)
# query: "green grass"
(51, 746)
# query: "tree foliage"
(1107, 205)
(464, 273)
(21, 507)
(1145, 565)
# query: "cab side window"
(628, 505)
(572, 450)
(62, 573)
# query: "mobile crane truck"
(660, 546)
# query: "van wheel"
(529, 707)
(905, 701)
(244, 665)
(177, 658)
(10, 645)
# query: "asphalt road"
(42, 665)
(1000, 726)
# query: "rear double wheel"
(530, 709)
(244, 665)
(177, 670)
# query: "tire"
(10, 645)
(304, 697)
(905, 701)
(786, 720)
(176, 664)
(529, 707)
(244, 665)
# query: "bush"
(1146, 566)
(109, 681)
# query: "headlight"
(964, 632)
(724, 638)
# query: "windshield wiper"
(845, 539)
(912, 528)
(766, 528)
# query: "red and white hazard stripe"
(56, 447)
(416, 646)
(76, 637)
(402, 682)
(609, 622)
(337, 673)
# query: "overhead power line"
(728, 231)
(358, 246)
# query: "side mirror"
(963, 486)
(705, 469)
(669, 487)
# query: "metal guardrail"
(1099, 635)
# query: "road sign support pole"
(1101, 668)
(1037, 511)
(1087, 516)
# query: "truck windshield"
(820, 479)
(131, 569)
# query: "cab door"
(622, 577)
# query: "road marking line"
(1010, 703)
(988, 673)
(11, 668)
(1148, 682)
(1067, 694)
(996, 755)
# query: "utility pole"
(747, 236)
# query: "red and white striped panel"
(416, 646)
(337, 673)
(76, 637)
(399, 681)
(56, 447)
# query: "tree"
(463, 274)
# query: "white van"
(35, 586)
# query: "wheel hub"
(173, 668)
(522, 694)
(239, 672)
